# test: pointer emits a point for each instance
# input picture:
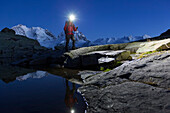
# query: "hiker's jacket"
(69, 28)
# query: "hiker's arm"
(65, 26)
(75, 28)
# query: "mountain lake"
(25, 90)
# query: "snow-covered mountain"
(81, 40)
(102, 41)
(125, 39)
(43, 36)
(47, 39)
(37, 33)
(136, 38)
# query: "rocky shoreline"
(137, 86)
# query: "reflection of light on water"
(72, 111)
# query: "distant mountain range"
(113, 40)
(47, 39)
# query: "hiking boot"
(66, 49)
(73, 48)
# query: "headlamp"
(72, 17)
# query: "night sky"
(96, 18)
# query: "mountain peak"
(46, 38)
(146, 36)
(37, 33)
(20, 25)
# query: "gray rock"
(43, 58)
(18, 47)
(136, 86)
(97, 57)
(128, 97)
(86, 74)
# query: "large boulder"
(154, 46)
(94, 55)
(47, 57)
(17, 47)
(137, 86)
(128, 97)
(96, 58)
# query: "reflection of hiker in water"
(70, 100)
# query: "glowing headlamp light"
(72, 17)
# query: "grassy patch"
(101, 68)
(111, 66)
(150, 83)
(104, 70)
(107, 70)
(146, 54)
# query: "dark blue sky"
(96, 18)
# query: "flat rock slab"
(128, 97)
(138, 86)
(97, 57)
(154, 46)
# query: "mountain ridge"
(47, 39)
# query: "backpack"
(69, 27)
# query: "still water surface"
(39, 92)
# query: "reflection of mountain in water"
(11, 73)
(37, 74)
